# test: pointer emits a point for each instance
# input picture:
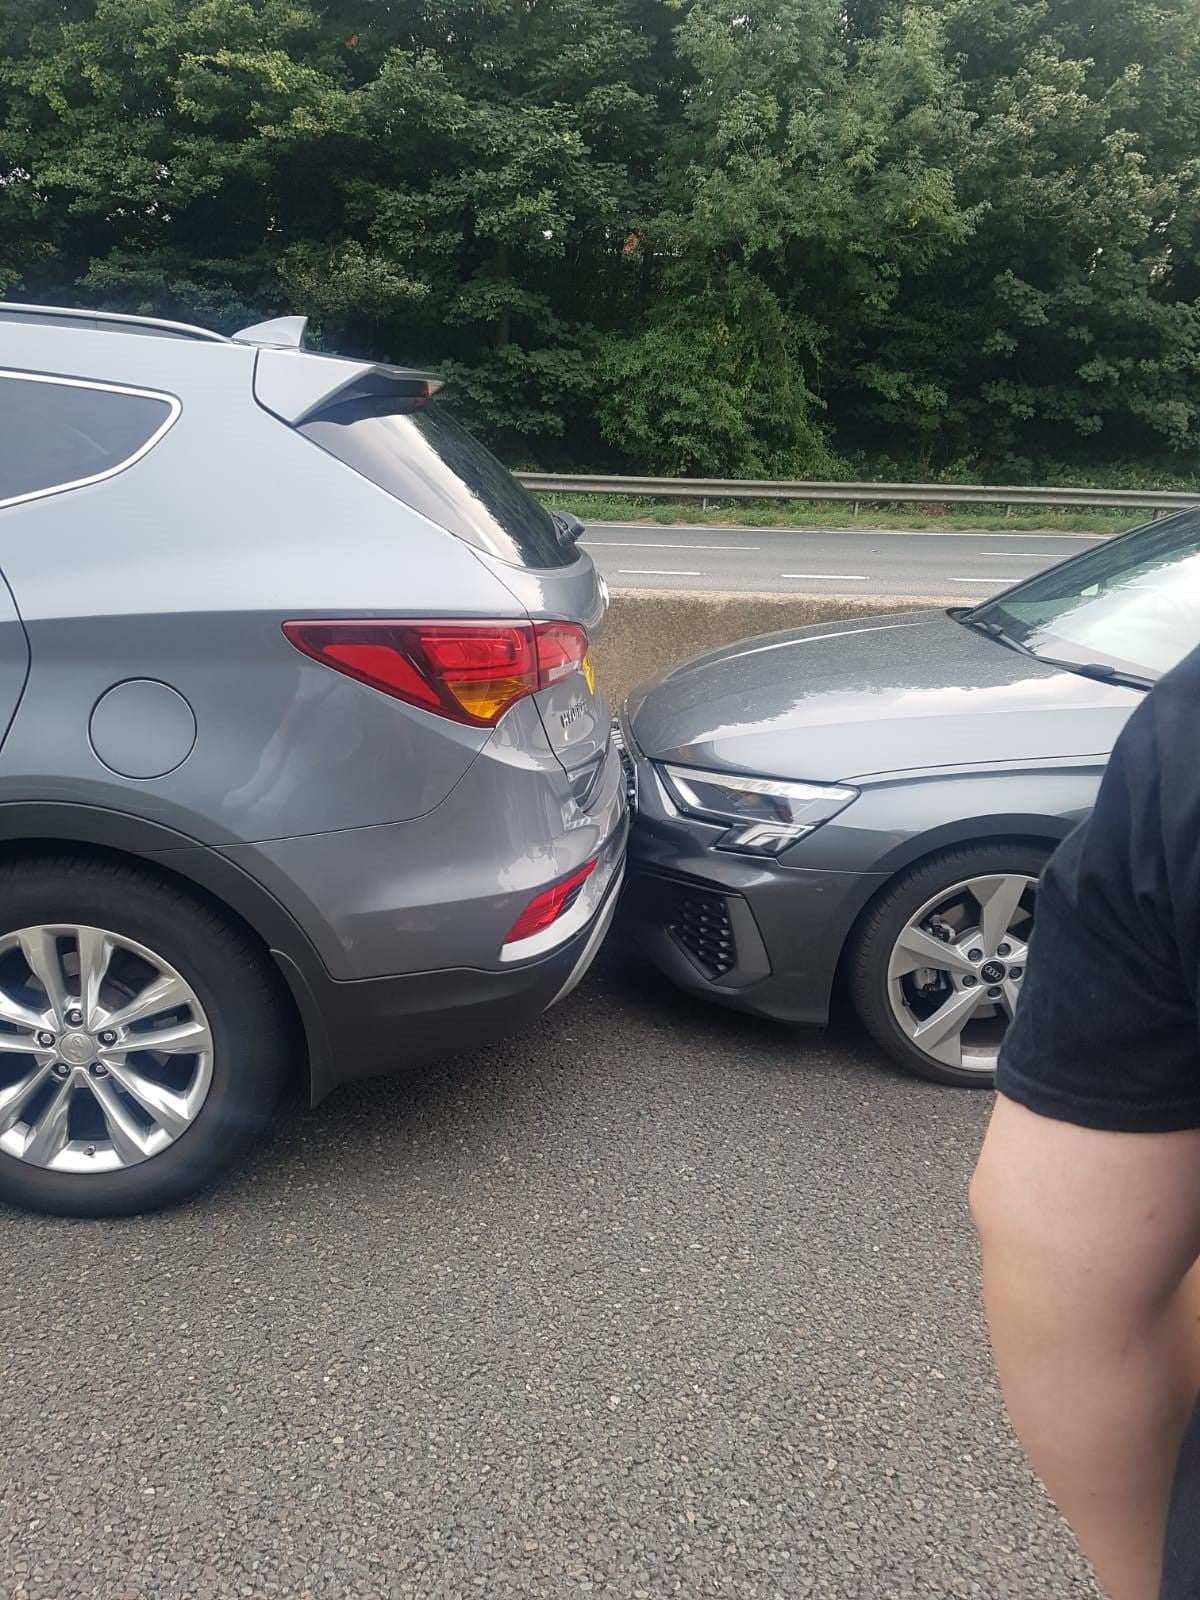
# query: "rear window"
(56, 435)
(433, 464)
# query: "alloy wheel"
(106, 1055)
(954, 978)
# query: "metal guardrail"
(706, 489)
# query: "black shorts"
(1181, 1555)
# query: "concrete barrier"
(650, 630)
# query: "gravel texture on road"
(653, 1300)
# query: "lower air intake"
(701, 925)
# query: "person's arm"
(1189, 1297)
(1087, 1194)
(1087, 1238)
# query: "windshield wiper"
(1101, 672)
(992, 630)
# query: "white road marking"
(978, 580)
(644, 544)
(655, 572)
(854, 533)
(1021, 555)
(832, 577)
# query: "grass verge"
(836, 514)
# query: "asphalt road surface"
(812, 561)
(651, 1301)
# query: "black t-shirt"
(1107, 1034)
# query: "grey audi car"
(304, 772)
(868, 805)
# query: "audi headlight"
(767, 814)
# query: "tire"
(945, 1022)
(134, 1128)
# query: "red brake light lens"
(561, 647)
(471, 672)
(551, 904)
(380, 665)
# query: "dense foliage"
(755, 237)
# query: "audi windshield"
(1129, 608)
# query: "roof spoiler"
(296, 384)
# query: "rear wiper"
(569, 527)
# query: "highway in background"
(967, 566)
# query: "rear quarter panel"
(183, 568)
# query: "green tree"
(512, 145)
(442, 182)
(1065, 327)
(809, 178)
(157, 154)
(720, 236)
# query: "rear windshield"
(433, 464)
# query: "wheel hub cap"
(993, 972)
(77, 1050)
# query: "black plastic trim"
(975, 830)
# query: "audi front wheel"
(938, 964)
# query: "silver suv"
(303, 767)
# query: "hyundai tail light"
(471, 672)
